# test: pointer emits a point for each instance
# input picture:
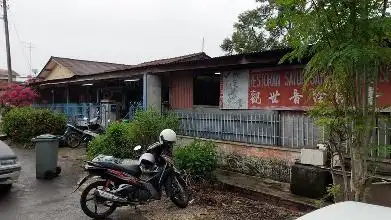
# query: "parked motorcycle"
(133, 183)
(74, 136)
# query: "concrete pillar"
(107, 112)
(152, 92)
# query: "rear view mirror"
(136, 148)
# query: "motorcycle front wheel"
(90, 204)
(177, 190)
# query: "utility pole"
(7, 41)
(30, 46)
(203, 44)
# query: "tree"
(348, 44)
(253, 32)
(16, 95)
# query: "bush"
(22, 124)
(198, 159)
(17, 95)
(148, 125)
(121, 138)
(274, 169)
(118, 141)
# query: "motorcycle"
(137, 182)
(74, 136)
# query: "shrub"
(16, 95)
(22, 124)
(118, 141)
(121, 138)
(274, 169)
(148, 125)
(198, 159)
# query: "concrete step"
(274, 192)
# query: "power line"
(21, 44)
(30, 46)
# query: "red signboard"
(283, 89)
(384, 90)
(278, 90)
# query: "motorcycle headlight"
(8, 162)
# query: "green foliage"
(22, 124)
(347, 43)
(120, 137)
(266, 168)
(118, 141)
(199, 158)
(253, 32)
(334, 193)
(148, 125)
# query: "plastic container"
(46, 154)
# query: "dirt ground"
(36, 199)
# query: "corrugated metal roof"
(4, 72)
(172, 60)
(86, 67)
(188, 57)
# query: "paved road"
(39, 199)
(32, 199)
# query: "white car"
(9, 167)
(349, 210)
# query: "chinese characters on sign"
(274, 96)
(296, 97)
(255, 97)
(283, 90)
(278, 89)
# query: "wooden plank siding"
(181, 92)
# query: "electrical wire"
(22, 46)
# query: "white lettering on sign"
(294, 78)
(317, 80)
(255, 97)
(265, 80)
(274, 97)
(296, 97)
(319, 97)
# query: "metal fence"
(76, 112)
(285, 129)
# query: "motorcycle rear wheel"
(177, 190)
(73, 140)
(94, 213)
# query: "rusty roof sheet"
(188, 57)
(86, 67)
(4, 72)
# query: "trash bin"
(46, 153)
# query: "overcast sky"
(121, 31)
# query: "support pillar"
(152, 92)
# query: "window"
(206, 90)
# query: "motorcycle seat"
(132, 169)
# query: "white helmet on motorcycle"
(147, 159)
(167, 135)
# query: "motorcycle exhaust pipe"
(109, 196)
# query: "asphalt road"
(48, 199)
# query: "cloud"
(123, 31)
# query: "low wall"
(261, 151)
(256, 160)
